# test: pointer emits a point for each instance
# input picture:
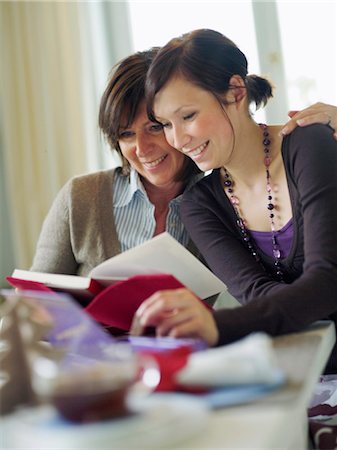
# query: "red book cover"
(116, 305)
(83, 294)
(28, 285)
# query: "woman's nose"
(143, 143)
(177, 138)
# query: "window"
(309, 42)
(306, 44)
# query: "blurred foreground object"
(56, 354)
(20, 331)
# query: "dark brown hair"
(208, 59)
(121, 100)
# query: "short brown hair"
(121, 100)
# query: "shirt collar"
(128, 187)
(132, 184)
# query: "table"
(279, 420)
(276, 421)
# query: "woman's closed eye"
(155, 128)
(189, 116)
(126, 134)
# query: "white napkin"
(250, 360)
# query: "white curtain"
(55, 59)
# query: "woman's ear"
(237, 89)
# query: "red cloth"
(170, 363)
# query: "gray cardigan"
(79, 230)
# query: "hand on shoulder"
(317, 113)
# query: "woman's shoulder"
(85, 188)
(310, 134)
(206, 182)
(310, 152)
(93, 178)
(210, 182)
(316, 139)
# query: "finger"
(308, 112)
(304, 119)
(205, 330)
(317, 113)
(191, 322)
(321, 117)
(136, 329)
(288, 127)
(188, 328)
(170, 298)
(156, 314)
(138, 325)
(292, 113)
(176, 318)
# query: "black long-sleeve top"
(310, 270)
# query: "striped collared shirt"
(134, 213)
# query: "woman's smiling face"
(194, 123)
(144, 145)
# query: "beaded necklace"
(229, 189)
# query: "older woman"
(98, 215)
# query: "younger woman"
(265, 219)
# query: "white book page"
(162, 254)
(53, 279)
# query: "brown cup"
(84, 403)
(89, 392)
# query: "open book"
(141, 270)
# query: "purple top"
(263, 239)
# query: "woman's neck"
(246, 164)
(160, 197)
